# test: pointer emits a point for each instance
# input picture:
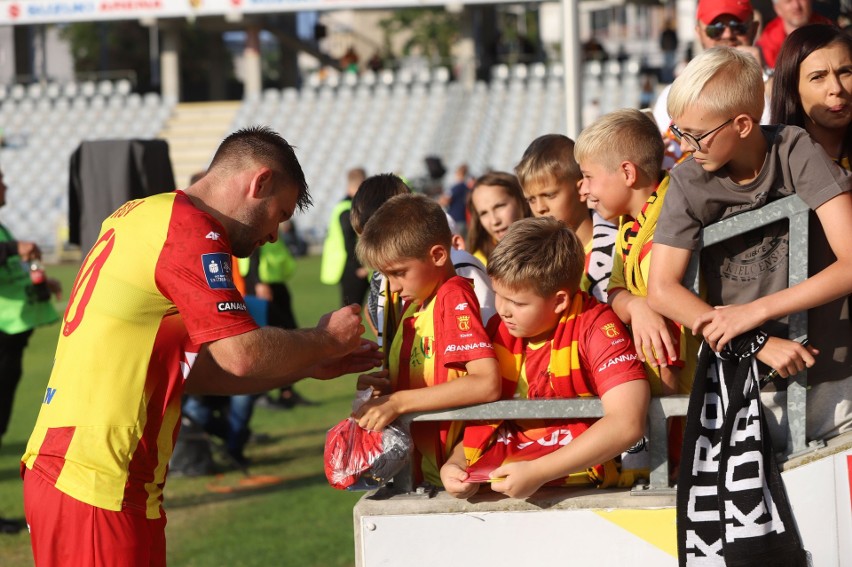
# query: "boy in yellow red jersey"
(440, 356)
(552, 341)
(621, 157)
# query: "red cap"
(709, 10)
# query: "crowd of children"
(587, 309)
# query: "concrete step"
(193, 132)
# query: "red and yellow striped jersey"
(432, 346)
(156, 283)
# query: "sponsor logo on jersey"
(463, 322)
(225, 306)
(617, 360)
(213, 235)
(610, 330)
(461, 306)
(217, 270)
(468, 347)
(48, 395)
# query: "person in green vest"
(22, 309)
(266, 273)
(339, 262)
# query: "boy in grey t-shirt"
(737, 166)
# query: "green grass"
(302, 522)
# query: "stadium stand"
(385, 121)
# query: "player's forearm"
(209, 378)
(270, 353)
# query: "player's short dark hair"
(260, 144)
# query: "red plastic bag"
(360, 459)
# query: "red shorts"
(66, 532)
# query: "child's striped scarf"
(637, 238)
(489, 445)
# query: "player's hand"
(55, 287)
(363, 358)
(378, 380)
(28, 251)
(727, 322)
(787, 357)
(377, 413)
(453, 478)
(651, 334)
(343, 327)
(518, 480)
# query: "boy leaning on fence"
(440, 356)
(736, 166)
(621, 156)
(552, 341)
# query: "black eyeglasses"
(715, 31)
(695, 141)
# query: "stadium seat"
(105, 88)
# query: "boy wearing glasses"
(736, 166)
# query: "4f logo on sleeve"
(212, 235)
(217, 270)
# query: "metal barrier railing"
(794, 209)
(663, 408)
(659, 410)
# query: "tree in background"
(429, 32)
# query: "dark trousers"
(353, 289)
(11, 358)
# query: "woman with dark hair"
(494, 203)
(813, 87)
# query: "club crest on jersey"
(217, 270)
(463, 322)
(610, 330)
(428, 346)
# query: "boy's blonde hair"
(541, 254)
(622, 135)
(721, 80)
(549, 158)
(405, 227)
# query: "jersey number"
(84, 285)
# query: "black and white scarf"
(732, 508)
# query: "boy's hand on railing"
(453, 478)
(787, 357)
(377, 413)
(651, 334)
(517, 480)
(378, 380)
(726, 322)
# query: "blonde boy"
(551, 340)
(440, 356)
(551, 178)
(737, 165)
(621, 157)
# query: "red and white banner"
(24, 12)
